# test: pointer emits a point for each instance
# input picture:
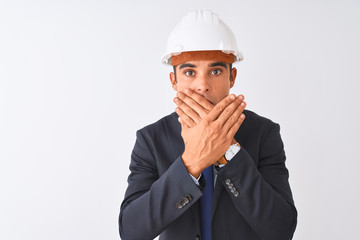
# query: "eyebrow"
(184, 65)
(217, 64)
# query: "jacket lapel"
(218, 190)
(175, 141)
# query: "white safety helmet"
(201, 30)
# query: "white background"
(78, 78)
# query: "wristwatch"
(233, 149)
(230, 153)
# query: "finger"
(188, 121)
(200, 99)
(233, 130)
(228, 112)
(195, 106)
(190, 113)
(234, 117)
(241, 97)
(220, 107)
(183, 124)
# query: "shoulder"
(256, 126)
(166, 124)
(255, 120)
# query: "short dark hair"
(174, 67)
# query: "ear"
(173, 82)
(233, 77)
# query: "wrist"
(192, 168)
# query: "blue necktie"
(206, 204)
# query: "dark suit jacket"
(161, 197)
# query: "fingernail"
(232, 96)
(176, 99)
(241, 97)
(243, 104)
(180, 94)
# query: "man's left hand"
(192, 106)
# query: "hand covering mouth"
(212, 103)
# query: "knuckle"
(215, 127)
(185, 98)
(238, 123)
(192, 103)
(180, 103)
(228, 100)
(200, 101)
(219, 108)
(232, 119)
(197, 118)
(206, 121)
(227, 111)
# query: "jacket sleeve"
(261, 193)
(151, 202)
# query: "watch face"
(230, 153)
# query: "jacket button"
(227, 182)
(179, 206)
(189, 197)
(233, 190)
(230, 185)
(236, 193)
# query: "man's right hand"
(212, 135)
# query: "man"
(212, 170)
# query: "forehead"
(202, 64)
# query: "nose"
(202, 85)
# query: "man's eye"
(189, 73)
(215, 72)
